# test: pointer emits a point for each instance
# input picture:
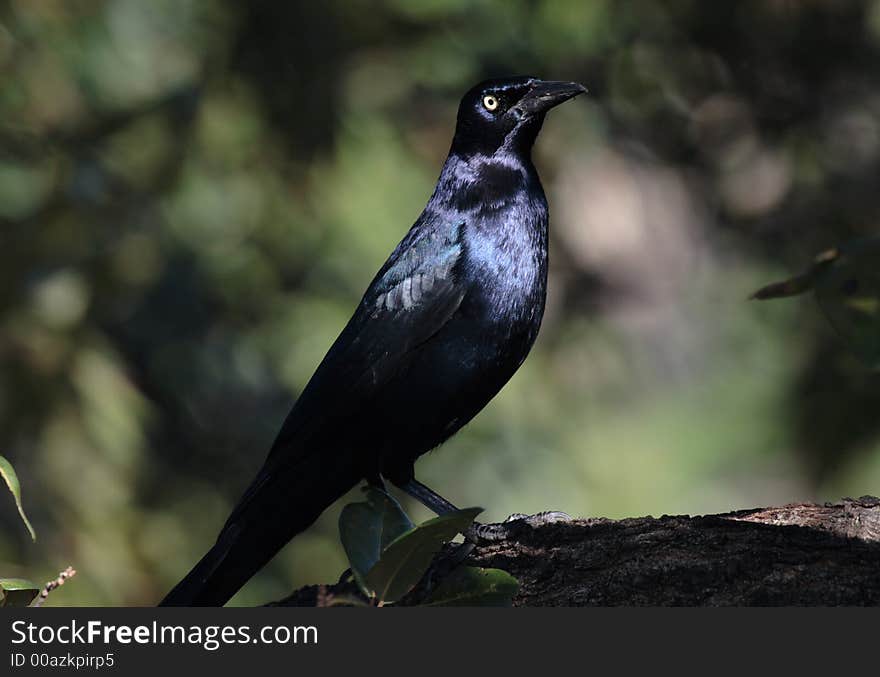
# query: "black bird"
(442, 327)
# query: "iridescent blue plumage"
(442, 327)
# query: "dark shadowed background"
(194, 194)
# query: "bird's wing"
(411, 298)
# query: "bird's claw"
(500, 531)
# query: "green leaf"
(405, 561)
(8, 473)
(17, 592)
(475, 586)
(846, 282)
(848, 293)
(347, 600)
(366, 529)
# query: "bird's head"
(507, 113)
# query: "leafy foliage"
(11, 479)
(474, 586)
(405, 561)
(388, 555)
(846, 282)
(367, 529)
(17, 592)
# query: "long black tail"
(282, 502)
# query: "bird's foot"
(500, 531)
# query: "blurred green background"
(194, 194)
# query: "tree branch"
(799, 554)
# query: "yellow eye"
(490, 102)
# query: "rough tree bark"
(799, 554)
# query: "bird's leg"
(477, 532)
(427, 497)
(433, 501)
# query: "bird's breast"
(506, 259)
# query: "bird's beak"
(545, 94)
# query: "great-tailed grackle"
(442, 327)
